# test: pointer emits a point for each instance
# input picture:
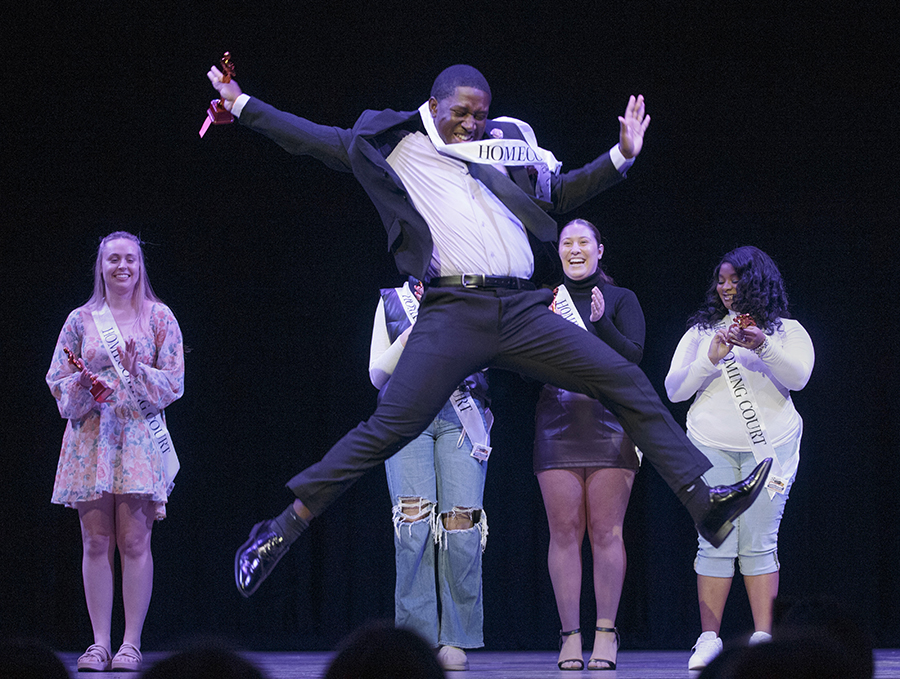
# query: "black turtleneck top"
(622, 325)
(572, 430)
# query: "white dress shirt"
(472, 230)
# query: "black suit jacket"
(364, 148)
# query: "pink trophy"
(217, 114)
(99, 391)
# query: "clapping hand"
(129, 356)
(598, 305)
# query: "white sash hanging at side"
(112, 339)
(463, 403)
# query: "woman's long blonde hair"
(142, 294)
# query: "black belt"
(477, 280)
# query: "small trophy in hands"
(741, 321)
(217, 114)
(99, 391)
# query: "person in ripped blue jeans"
(436, 484)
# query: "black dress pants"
(460, 331)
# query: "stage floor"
(497, 665)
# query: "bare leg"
(98, 539)
(459, 520)
(761, 591)
(564, 500)
(712, 593)
(608, 491)
(134, 519)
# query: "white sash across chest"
(112, 340)
(514, 152)
(565, 307)
(751, 417)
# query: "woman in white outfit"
(740, 359)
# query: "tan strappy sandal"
(94, 659)
(128, 659)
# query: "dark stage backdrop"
(773, 128)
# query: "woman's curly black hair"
(760, 291)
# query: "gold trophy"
(99, 391)
(217, 114)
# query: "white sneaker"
(452, 659)
(708, 646)
(759, 638)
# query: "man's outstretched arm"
(298, 136)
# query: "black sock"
(695, 498)
(290, 525)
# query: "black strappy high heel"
(578, 660)
(611, 663)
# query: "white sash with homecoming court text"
(751, 416)
(112, 340)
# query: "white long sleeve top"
(383, 354)
(784, 365)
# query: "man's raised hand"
(632, 127)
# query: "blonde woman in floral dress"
(110, 470)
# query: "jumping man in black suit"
(458, 210)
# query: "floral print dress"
(107, 447)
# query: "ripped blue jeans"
(433, 478)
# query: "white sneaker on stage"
(759, 638)
(453, 659)
(708, 646)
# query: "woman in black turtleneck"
(584, 462)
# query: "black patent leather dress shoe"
(726, 503)
(257, 557)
